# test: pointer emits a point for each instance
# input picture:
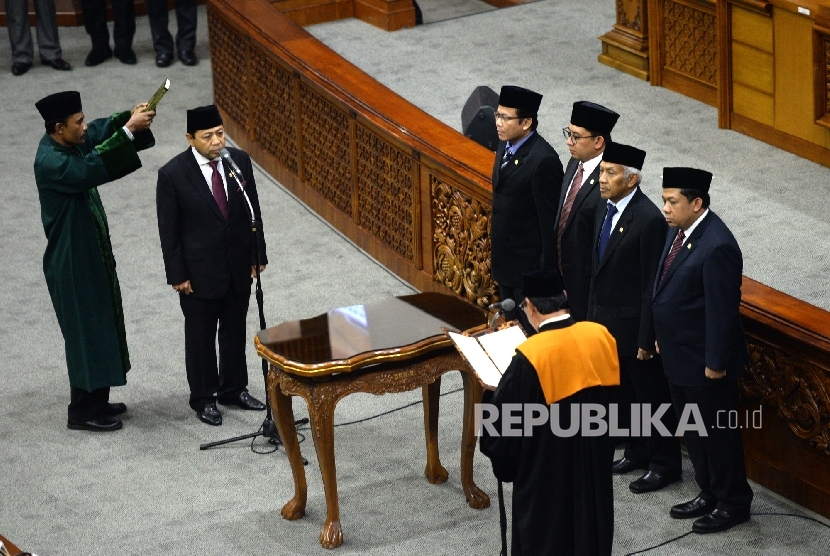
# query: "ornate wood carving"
(327, 159)
(629, 14)
(799, 390)
(461, 243)
(821, 45)
(385, 192)
(690, 42)
(626, 46)
(229, 58)
(274, 110)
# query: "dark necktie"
(675, 248)
(506, 157)
(606, 229)
(218, 189)
(566, 210)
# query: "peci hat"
(593, 117)
(203, 117)
(520, 98)
(687, 178)
(626, 155)
(542, 283)
(59, 105)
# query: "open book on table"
(489, 352)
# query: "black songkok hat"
(203, 117)
(542, 283)
(520, 98)
(687, 178)
(59, 105)
(593, 117)
(617, 153)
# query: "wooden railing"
(416, 195)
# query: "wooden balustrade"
(416, 195)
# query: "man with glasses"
(586, 137)
(527, 176)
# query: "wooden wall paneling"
(655, 42)
(821, 75)
(310, 12)
(229, 54)
(794, 78)
(390, 15)
(626, 46)
(750, 54)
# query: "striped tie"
(675, 248)
(566, 210)
(506, 158)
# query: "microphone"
(234, 169)
(506, 305)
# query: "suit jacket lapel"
(622, 227)
(689, 245)
(588, 183)
(517, 159)
(197, 180)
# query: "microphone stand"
(268, 429)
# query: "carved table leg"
(321, 415)
(284, 416)
(473, 393)
(434, 471)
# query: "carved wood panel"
(327, 159)
(274, 110)
(821, 45)
(385, 192)
(690, 42)
(229, 60)
(630, 14)
(799, 390)
(461, 243)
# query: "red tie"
(675, 248)
(218, 189)
(566, 210)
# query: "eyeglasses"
(523, 304)
(505, 118)
(570, 136)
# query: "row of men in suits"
(669, 281)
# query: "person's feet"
(102, 424)
(97, 56)
(19, 68)
(126, 56)
(164, 59)
(188, 58)
(244, 400)
(58, 63)
(210, 415)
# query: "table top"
(348, 338)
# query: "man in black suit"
(697, 297)
(527, 175)
(95, 23)
(186, 15)
(205, 229)
(586, 137)
(628, 240)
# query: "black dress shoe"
(693, 508)
(58, 63)
(210, 415)
(97, 56)
(126, 56)
(653, 481)
(245, 401)
(164, 59)
(188, 58)
(719, 520)
(115, 409)
(19, 68)
(625, 465)
(102, 424)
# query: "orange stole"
(571, 359)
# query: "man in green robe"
(73, 158)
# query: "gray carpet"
(147, 489)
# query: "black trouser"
(201, 316)
(718, 458)
(186, 16)
(507, 292)
(95, 23)
(643, 382)
(85, 406)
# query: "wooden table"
(395, 345)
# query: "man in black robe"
(563, 498)
(73, 158)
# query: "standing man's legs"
(95, 23)
(92, 411)
(157, 13)
(20, 35)
(48, 41)
(124, 30)
(200, 319)
(186, 17)
(233, 368)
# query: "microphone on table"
(232, 167)
(501, 307)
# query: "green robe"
(78, 262)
